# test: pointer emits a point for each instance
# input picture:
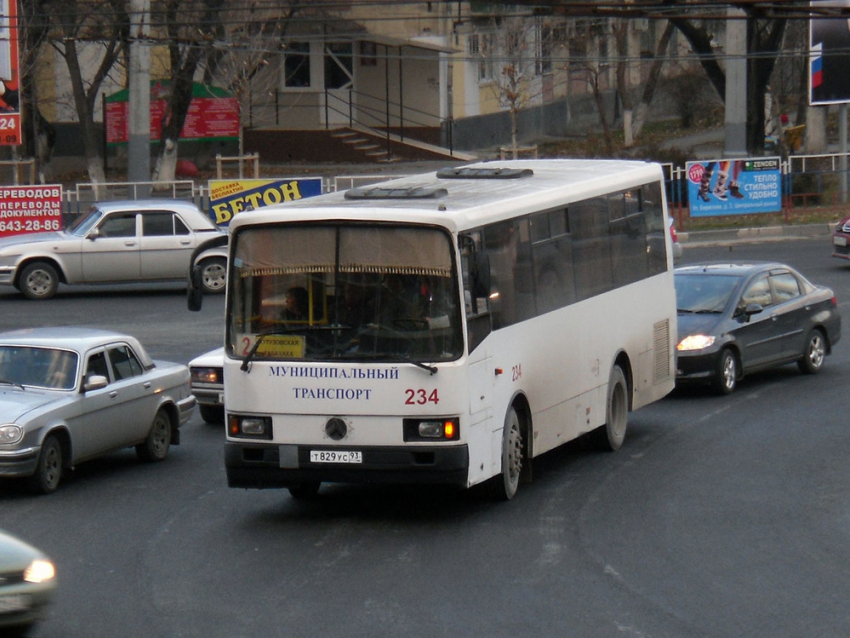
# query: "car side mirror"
(195, 292)
(93, 234)
(95, 382)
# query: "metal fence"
(808, 182)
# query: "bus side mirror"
(481, 274)
(195, 292)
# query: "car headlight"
(10, 434)
(207, 375)
(39, 571)
(696, 342)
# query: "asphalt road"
(720, 517)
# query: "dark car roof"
(730, 268)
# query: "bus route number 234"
(421, 397)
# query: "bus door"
(476, 285)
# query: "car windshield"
(39, 367)
(344, 291)
(704, 292)
(84, 223)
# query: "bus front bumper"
(261, 466)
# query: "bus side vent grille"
(465, 172)
(661, 350)
(377, 192)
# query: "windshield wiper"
(391, 358)
(15, 383)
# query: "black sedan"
(738, 318)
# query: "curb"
(766, 233)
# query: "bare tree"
(513, 45)
(764, 38)
(652, 80)
(39, 136)
(100, 28)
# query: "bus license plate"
(328, 456)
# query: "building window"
(479, 47)
(368, 53)
(297, 65)
(543, 50)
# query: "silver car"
(68, 395)
(27, 585)
(116, 242)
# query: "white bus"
(448, 327)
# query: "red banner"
(208, 118)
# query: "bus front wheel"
(504, 485)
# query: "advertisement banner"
(229, 197)
(213, 114)
(30, 209)
(10, 109)
(734, 186)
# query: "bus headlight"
(696, 342)
(432, 429)
(249, 427)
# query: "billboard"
(10, 109)
(30, 209)
(734, 186)
(229, 197)
(213, 114)
(829, 56)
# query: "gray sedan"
(116, 242)
(68, 395)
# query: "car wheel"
(814, 353)
(504, 486)
(305, 490)
(213, 275)
(155, 447)
(212, 413)
(48, 472)
(38, 280)
(726, 375)
(610, 436)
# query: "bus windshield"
(337, 291)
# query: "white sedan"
(68, 395)
(117, 242)
(208, 384)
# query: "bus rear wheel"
(504, 485)
(611, 435)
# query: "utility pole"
(139, 125)
(736, 84)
